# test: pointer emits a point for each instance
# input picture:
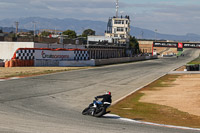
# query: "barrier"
(30, 63)
(2, 64)
(19, 63)
(12, 63)
(77, 63)
(7, 64)
(99, 62)
(193, 67)
(46, 63)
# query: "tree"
(45, 34)
(31, 32)
(88, 32)
(133, 44)
(71, 34)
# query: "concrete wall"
(99, 62)
(77, 63)
(39, 63)
(145, 46)
(67, 46)
(7, 49)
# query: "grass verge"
(179, 53)
(195, 61)
(33, 71)
(130, 107)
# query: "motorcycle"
(96, 108)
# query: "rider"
(105, 98)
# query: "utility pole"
(142, 33)
(17, 25)
(34, 27)
(155, 34)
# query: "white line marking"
(13, 78)
(147, 123)
(1, 80)
(150, 123)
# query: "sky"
(177, 17)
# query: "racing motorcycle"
(96, 108)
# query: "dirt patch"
(28, 71)
(182, 94)
(172, 99)
(182, 68)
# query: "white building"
(119, 29)
(99, 39)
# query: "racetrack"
(53, 103)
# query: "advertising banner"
(54, 55)
(191, 45)
(180, 45)
(165, 44)
(177, 45)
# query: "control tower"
(118, 28)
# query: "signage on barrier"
(180, 45)
(191, 45)
(165, 44)
(177, 45)
(54, 55)
(44, 55)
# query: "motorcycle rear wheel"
(101, 112)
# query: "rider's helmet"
(108, 93)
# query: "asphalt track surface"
(53, 103)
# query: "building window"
(116, 35)
(120, 29)
(115, 30)
(119, 21)
(122, 35)
(126, 21)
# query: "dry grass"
(182, 68)
(30, 71)
(132, 107)
(195, 61)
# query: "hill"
(80, 25)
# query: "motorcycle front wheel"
(85, 111)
